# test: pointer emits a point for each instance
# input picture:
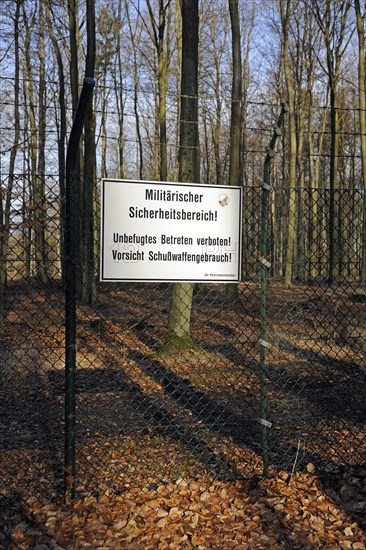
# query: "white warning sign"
(178, 232)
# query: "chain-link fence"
(316, 327)
(147, 413)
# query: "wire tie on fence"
(265, 422)
(277, 130)
(265, 262)
(264, 343)
(266, 186)
(269, 151)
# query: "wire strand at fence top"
(151, 91)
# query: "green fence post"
(265, 265)
(70, 285)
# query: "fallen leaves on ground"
(280, 512)
(190, 396)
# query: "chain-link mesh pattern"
(317, 328)
(148, 414)
(31, 341)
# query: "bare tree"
(6, 192)
(61, 139)
(160, 36)
(332, 18)
(41, 252)
(37, 198)
(88, 289)
(178, 334)
(74, 47)
(285, 12)
(362, 118)
(236, 96)
(213, 62)
(134, 36)
(119, 94)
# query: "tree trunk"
(36, 200)
(88, 291)
(248, 239)
(331, 17)
(178, 33)
(163, 60)
(236, 97)
(73, 21)
(118, 79)
(291, 227)
(163, 68)
(179, 322)
(140, 160)
(361, 86)
(333, 188)
(40, 238)
(362, 119)
(5, 194)
(62, 130)
(216, 131)
(73, 36)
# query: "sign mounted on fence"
(178, 232)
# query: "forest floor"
(302, 512)
(168, 444)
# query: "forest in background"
(253, 57)
(171, 444)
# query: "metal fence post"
(265, 265)
(70, 284)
